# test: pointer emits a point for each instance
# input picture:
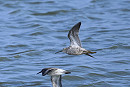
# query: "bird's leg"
(59, 51)
(89, 55)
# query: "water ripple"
(50, 13)
(32, 31)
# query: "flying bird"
(75, 47)
(55, 74)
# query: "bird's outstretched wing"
(56, 80)
(73, 35)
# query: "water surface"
(31, 31)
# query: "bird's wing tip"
(80, 22)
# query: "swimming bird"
(75, 47)
(55, 74)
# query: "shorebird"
(75, 47)
(55, 74)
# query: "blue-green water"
(31, 31)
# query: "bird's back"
(74, 50)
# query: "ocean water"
(31, 31)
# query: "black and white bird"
(55, 74)
(75, 47)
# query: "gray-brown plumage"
(75, 47)
(55, 74)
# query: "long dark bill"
(59, 51)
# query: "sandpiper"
(55, 74)
(75, 47)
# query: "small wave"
(19, 45)
(66, 56)
(12, 5)
(22, 52)
(85, 67)
(98, 84)
(125, 10)
(72, 78)
(96, 75)
(36, 33)
(94, 18)
(121, 62)
(35, 2)
(49, 2)
(4, 59)
(60, 64)
(21, 84)
(120, 46)
(50, 13)
(112, 47)
(15, 12)
(39, 2)
(122, 73)
(125, 47)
